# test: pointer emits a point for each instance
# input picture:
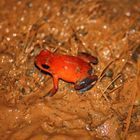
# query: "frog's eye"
(45, 66)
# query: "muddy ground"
(108, 29)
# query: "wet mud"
(107, 29)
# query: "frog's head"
(42, 59)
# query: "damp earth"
(109, 30)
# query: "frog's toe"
(86, 84)
(86, 88)
(51, 93)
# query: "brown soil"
(108, 29)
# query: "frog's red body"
(74, 69)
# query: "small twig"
(106, 67)
(32, 34)
(55, 49)
(118, 76)
(104, 95)
(115, 89)
(128, 120)
(103, 92)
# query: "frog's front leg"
(88, 58)
(55, 87)
(86, 83)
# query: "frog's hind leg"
(88, 58)
(86, 83)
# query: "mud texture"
(108, 29)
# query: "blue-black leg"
(86, 83)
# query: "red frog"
(73, 69)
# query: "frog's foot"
(51, 92)
(88, 58)
(86, 83)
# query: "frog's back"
(70, 68)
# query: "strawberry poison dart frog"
(73, 69)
